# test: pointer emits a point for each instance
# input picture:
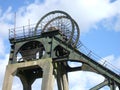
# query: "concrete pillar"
(8, 79)
(48, 78)
(7, 84)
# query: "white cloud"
(84, 80)
(17, 85)
(3, 64)
(112, 23)
(0, 11)
(7, 15)
(2, 50)
(86, 13)
(112, 63)
(6, 20)
(5, 29)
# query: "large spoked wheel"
(63, 24)
(76, 34)
(59, 20)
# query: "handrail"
(23, 32)
(97, 58)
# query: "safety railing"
(97, 58)
(24, 32)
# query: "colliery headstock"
(46, 49)
(30, 42)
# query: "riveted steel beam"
(99, 86)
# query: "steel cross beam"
(88, 65)
(97, 87)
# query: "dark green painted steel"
(51, 40)
(100, 85)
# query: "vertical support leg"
(62, 78)
(26, 87)
(25, 83)
(8, 79)
(59, 79)
(119, 87)
(112, 85)
(65, 82)
(48, 78)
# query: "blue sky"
(99, 22)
